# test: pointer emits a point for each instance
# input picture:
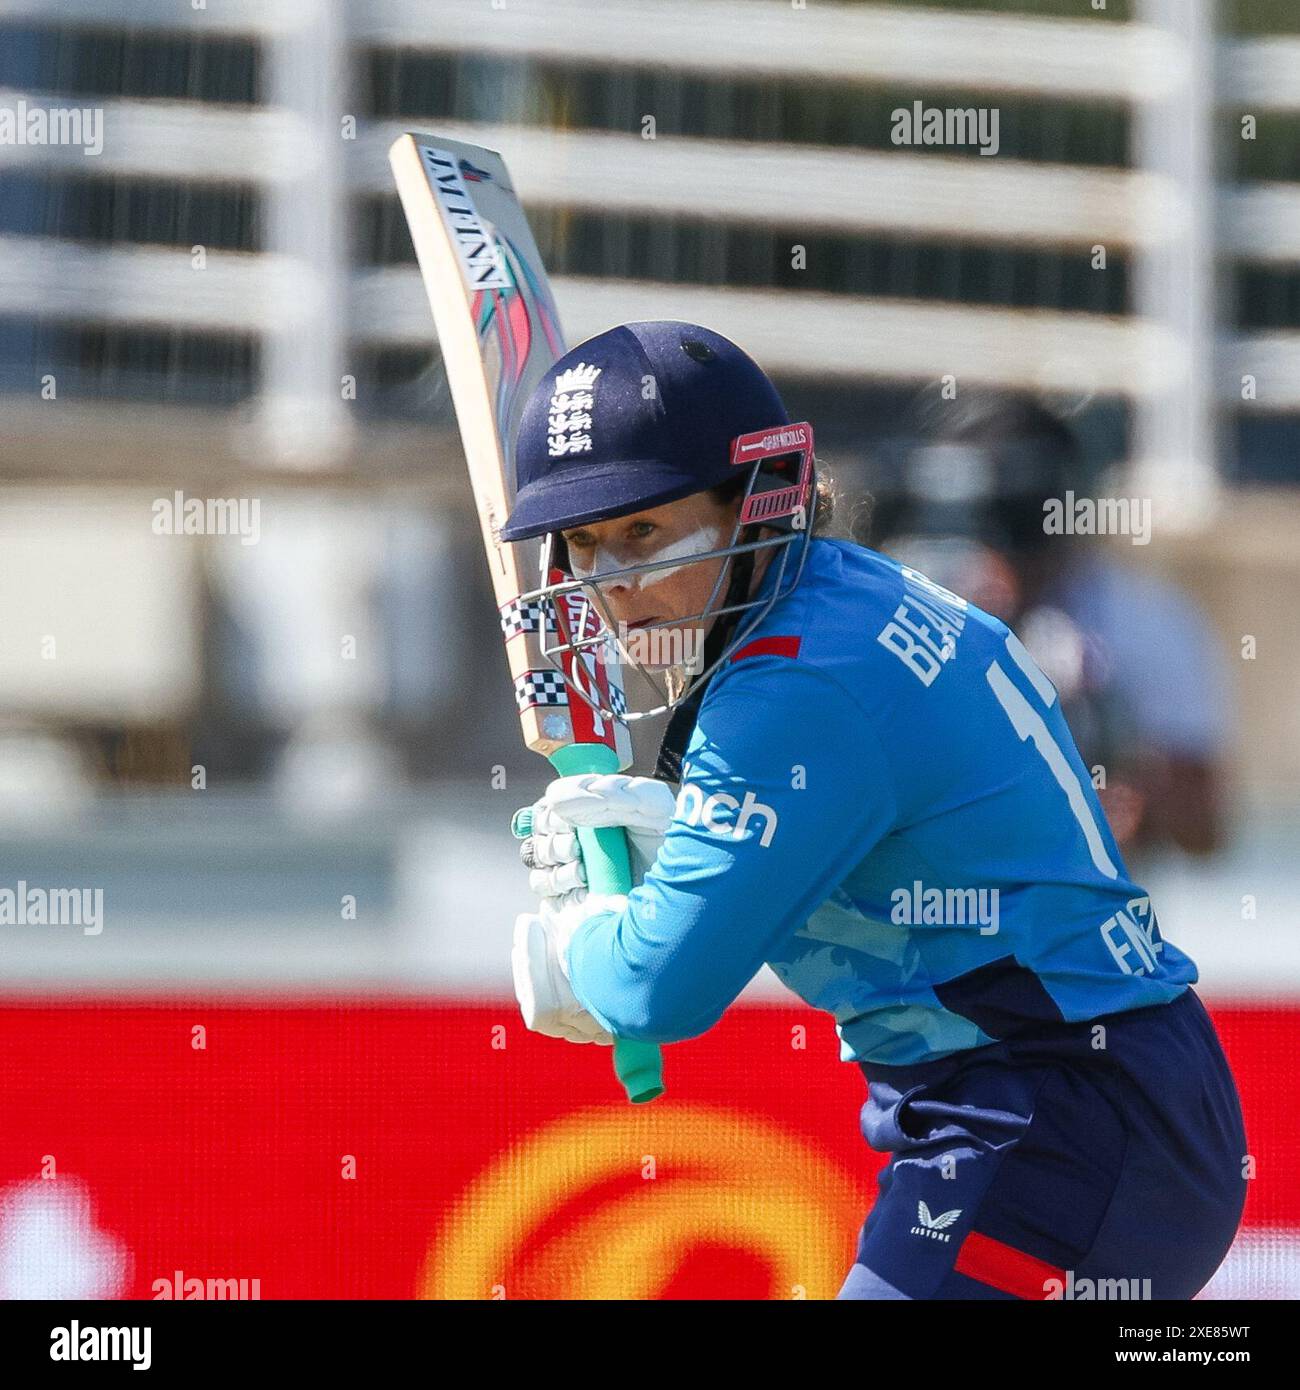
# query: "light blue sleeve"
(785, 789)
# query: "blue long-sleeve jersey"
(882, 801)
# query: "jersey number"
(1030, 726)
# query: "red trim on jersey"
(1004, 1267)
(769, 646)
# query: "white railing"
(306, 302)
(831, 42)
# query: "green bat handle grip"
(638, 1065)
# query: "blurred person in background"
(1142, 683)
(335, 646)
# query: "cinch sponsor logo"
(946, 907)
(934, 1227)
(710, 813)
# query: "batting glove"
(641, 806)
(541, 973)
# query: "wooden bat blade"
(499, 332)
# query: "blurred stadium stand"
(771, 129)
(199, 290)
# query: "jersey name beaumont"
(925, 627)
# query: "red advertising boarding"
(361, 1150)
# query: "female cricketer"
(877, 796)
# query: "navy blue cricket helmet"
(635, 417)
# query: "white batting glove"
(641, 806)
(546, 999)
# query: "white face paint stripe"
(688, 549)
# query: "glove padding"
(641, 806)
(546, 999)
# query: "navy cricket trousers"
(1034, 1167)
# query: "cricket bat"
(499, 333)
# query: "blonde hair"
(827, 501)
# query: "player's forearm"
(633, 988)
